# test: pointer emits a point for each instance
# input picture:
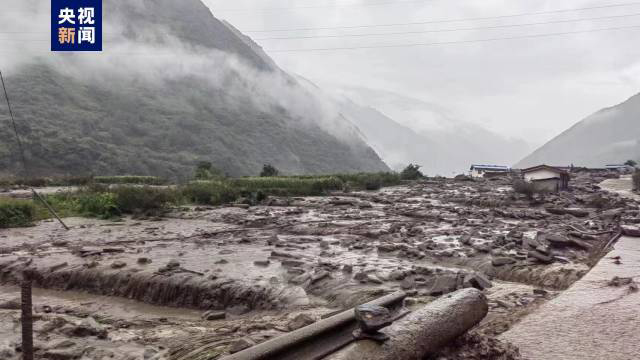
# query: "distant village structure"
(622, 168)
(478, 171)
(547, 178)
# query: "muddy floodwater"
(597, 318)
(215, 280)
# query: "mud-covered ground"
(217, 280)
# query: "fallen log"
(424, 331)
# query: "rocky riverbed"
(217, 280)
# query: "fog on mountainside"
(610, 136)
(406, 130)
(177, 88)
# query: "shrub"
(269, 170)
(213, 192)
(93, 200)
(636, 180)
(631, 163)
(206, 171)
(16, 213)
(101, 205)
(411, 172)
(369, 181)
(287, 186)
(144, 200)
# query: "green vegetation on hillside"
(91, 128)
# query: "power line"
(15, 128)
(448, 30)
(452, 42)
(447, 20)
(24, 161)
(405, 32)
(295, 8)
(387, 46)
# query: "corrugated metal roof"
(490, 167)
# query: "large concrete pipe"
(424, 331)
(314, 341)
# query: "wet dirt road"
(594, 319)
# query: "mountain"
(406, 130)
(610, 136)
(174, 86)
(397, 144)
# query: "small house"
(478, 171)
(547, 178)
(622, 168)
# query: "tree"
(206, 171)
(411, 172)
(269, 170)
(631, 163)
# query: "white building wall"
(540, 174)
(477, 173)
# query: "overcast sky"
(531, 88)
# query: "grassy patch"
(91, 201)
(107, 198)
(369, 181)
(108, 203)
(16, 213)
(144, 200)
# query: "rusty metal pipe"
(424, 331)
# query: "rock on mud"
(300, 321)
(501, 261)
(241, 344)
(87, 327)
